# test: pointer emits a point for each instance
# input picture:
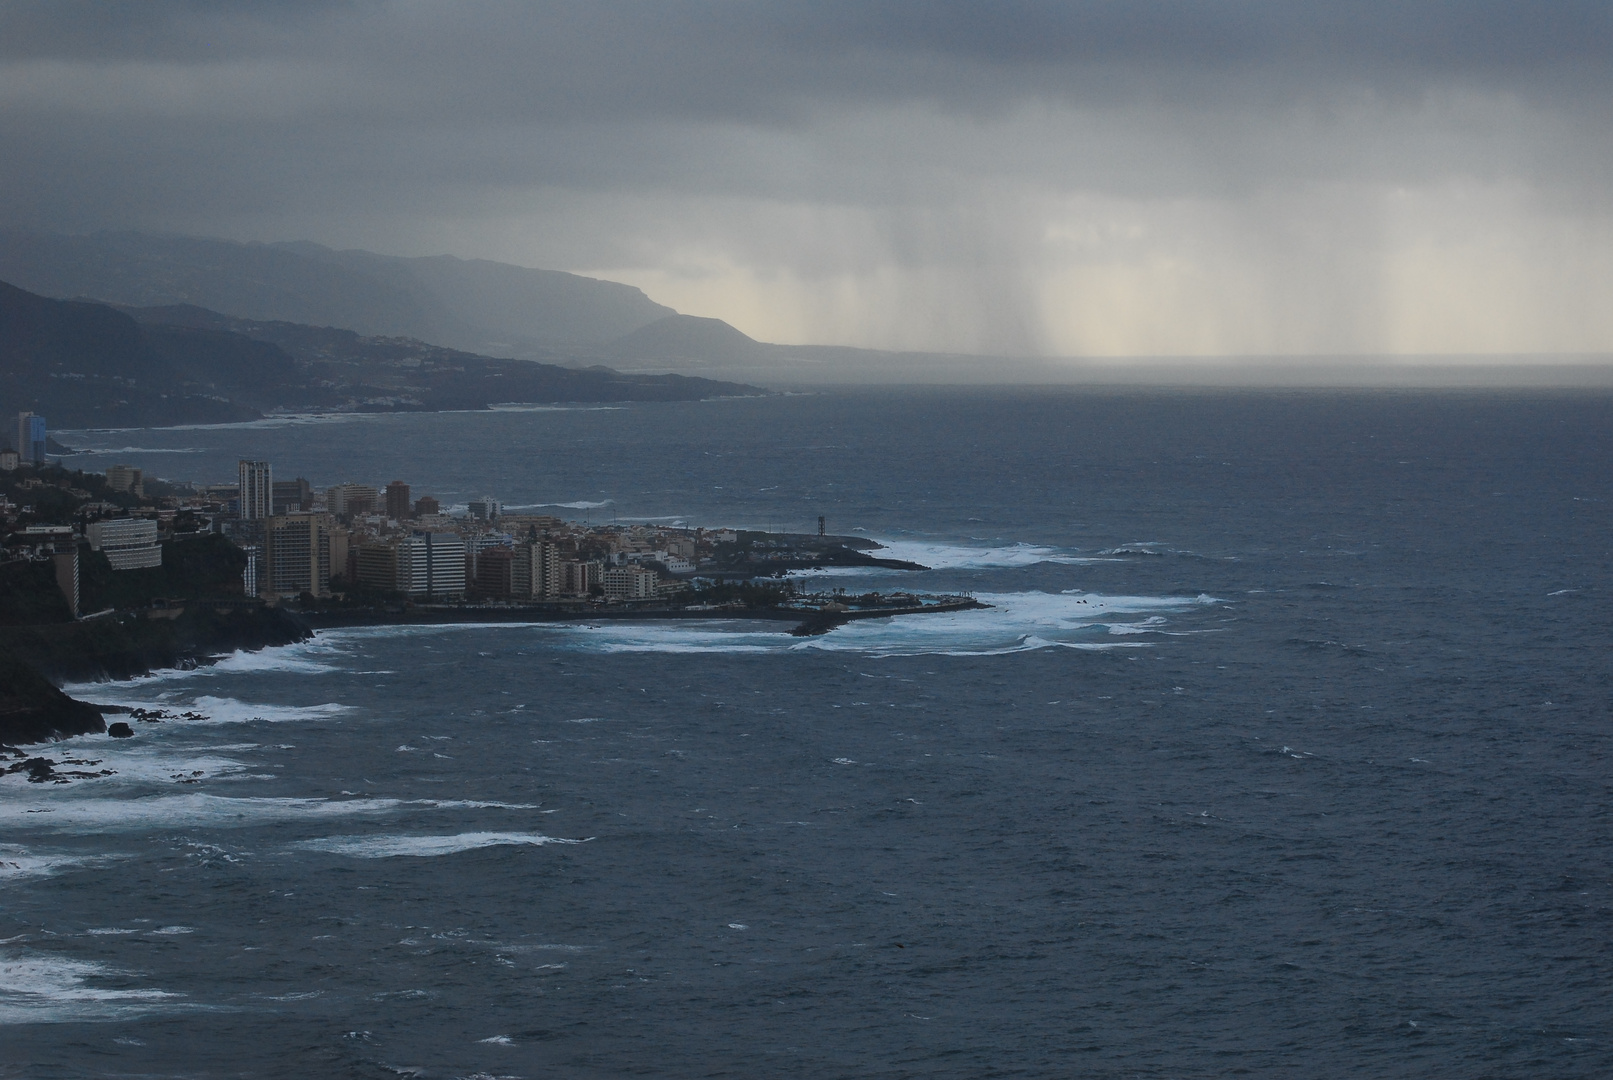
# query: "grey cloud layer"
(600, 135)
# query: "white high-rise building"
(127, 543)
(257, 491)
(432, 565)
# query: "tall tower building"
(257, 491)
(397, 500)
(31, 437)
(297, 555)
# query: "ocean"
(1282, 750)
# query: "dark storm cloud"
(306, 78)
(930, 139)
(733, 59)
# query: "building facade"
(535, 571)
(291, 496)
(433, 565)
(580, 578)
(377, 567)
(296, 556)
(257, 490)
(629, 583)
(494, 572)
(352, 500)
(397, 501)
(67, 576)
(126, 478)
(31, 438)
(127, 543)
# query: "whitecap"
(385, 847)
(224, 710)
(70, 814)
(943, 556)
(473, 804)
(36, 988)
(1012, 622)
(18, 863)
(533, 406)
(290, 658)
(86, 451)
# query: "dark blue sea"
(1283, 750)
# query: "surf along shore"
(128, 644)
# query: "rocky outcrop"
(32, 710)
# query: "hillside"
(688, 339)
(83, 364)
(475, 305)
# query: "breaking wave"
(387, 847)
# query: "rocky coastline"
(116, 646)
(130, 644)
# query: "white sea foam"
(473, 804)
(940, 556)
(209, 709)
(533, 406)
(141, 761)
(300, 659)
(57, 810)
(279, 421)
(231, 711)
(18, 863)
(121, 450)
(1014, 622)
(318, 656)
(386, 847)
(35, 988)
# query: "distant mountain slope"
(83, 364)
(403, 373)
(502, 308)
(474, 305)
(688, 338)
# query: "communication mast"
(820, 524)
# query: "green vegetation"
(29, 595)
(752, 594)
(129, 644)
(193, 567)
(32, 710)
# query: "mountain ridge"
(86, 364)
(475, 305)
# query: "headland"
(112, 576)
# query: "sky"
(1124, 178)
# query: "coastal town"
(377, 544)
(115, 573)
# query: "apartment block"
(256, 492)
(127, 543)
(629, 583)
(296, 555)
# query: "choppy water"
(1283, 750)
